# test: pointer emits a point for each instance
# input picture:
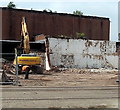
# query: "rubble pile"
(4, 69)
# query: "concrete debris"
(6, 68)
(47, 55)
(4, 79)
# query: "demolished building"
(66, 50)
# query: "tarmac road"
(57, 97)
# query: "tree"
(80, 35)
(49, 10)
(77, 12)
(11, 5)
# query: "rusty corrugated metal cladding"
(53, 24)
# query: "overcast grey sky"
(100, 8)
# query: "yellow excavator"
(26, 60)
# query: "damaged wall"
(80, 53)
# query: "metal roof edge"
(52, 13)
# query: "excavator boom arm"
(25, 35)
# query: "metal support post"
(16, 66)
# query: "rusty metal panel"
(96, 29)
(58, 25)
(68, 25)
(48, 24)
(106, 29)
(85, 27)
(5, 24)
(76, 25)
(39, 24)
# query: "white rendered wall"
(80, 53)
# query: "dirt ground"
(71, 77)
(82, 88)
